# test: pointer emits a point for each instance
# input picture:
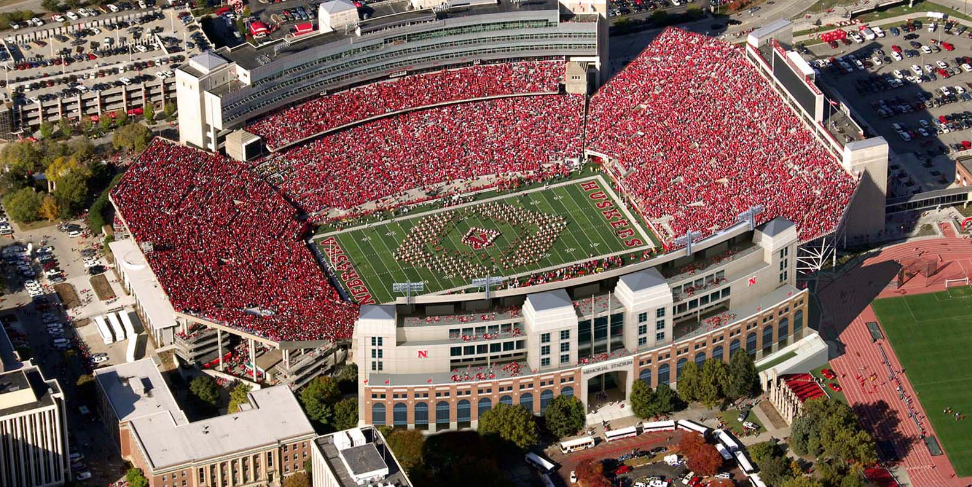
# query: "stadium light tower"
(749, 216)
(488, 282)
(408, 288)
(687, 239)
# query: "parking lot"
(924, 117)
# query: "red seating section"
(410, 92)
(707, 138)
(227, 246)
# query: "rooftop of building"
(369, 457)
(8, 356)
(154, 304)
(382, 17)
(137, 389)
(272, 415)
(24, 390)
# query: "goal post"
(956, 282)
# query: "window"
(545, 338)
(545, 362)
(565, 358)
(565, 334)
(545, 350)
(642, 341)
(659, 325)
(455, 352)
(642, 329)
(642, 317)
(565, 347)
(660, 336)
(660, 313)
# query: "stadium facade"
(220, 91)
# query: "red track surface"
(847, 306)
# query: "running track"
(847, 305)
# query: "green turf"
(931, 335)
(371, 249)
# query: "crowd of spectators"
(406, 93)
(503, 137)
(705, 138)
(227, 247)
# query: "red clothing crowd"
(705, 138)
(415, 150)
(227, 247)
(338, 109)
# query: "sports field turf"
(932, 337)
(510, 235)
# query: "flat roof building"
(33, 430)
(355, 457)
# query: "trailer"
(126, 320)
(690, 425)
(116, 326)
(104, 330)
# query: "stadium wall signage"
(342, 266)
(611, 214)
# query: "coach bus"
(693, 426)
(547, 482)
(577, 444)
(539, 463)
(744, 464)
(722, 451)
(658, 426)
(621, 433)
(727, 441)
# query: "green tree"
(169, 109)
(659, 17)
(408, 446)
(765, 451)
(24, 205)
(65, 127)
(346, 413)
(565, 416)
(121, 119)
(667, 400)
(689, 382)
(829, 428)
(238, 396)
(21, 156)
(205, 389)
(149, 112)
(105, 123)
(319, 398)
(349, 373)
(51, 5)
(299, 479)
(715, 380)
(81, 149)
(72, 194)
(134, 137)
(743, 377)
(511, 423)
(775, 471)
(85, 125)
(46, 130)
(136, 478)
(642, 400)
(801, 482)
(73, 4)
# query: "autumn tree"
(702, 457)
(49, 209)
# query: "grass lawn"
(918, 11)
(580, 220)
(731, 418)
(931, 336)
(776, 361)
(833, 394)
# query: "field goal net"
(958, 288)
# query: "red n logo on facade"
(423, 354)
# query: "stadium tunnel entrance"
(608, 392)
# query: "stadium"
(493, 229)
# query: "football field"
(932, 335)
(508, 235)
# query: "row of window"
(463, 409)
(466, 350)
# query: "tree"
(589, 472)
(61, 166)
(349, 373)
(775, 471)
(24, 156)
(801, 482)
(51, 5)
(643, 400)
(136, 478)
(238, 396)
(689, 382)
(73, 4)
(743, 377)
(659, 17)
(205, 389)
(765, 450)
(169, 109)
(346, 413)
(105, 123)
(299, 479)
(829, 428)
(149, 112)
(703, 458)
(72, 194)
(49, 209)
(408, 446)
(715, 380)
(565, 416)
(24, 205)
(510, 423)
(666, 399)
(134, 137)
(46, 130)
(64, 125)
(319, 397)
(85, 125)
(121, 119)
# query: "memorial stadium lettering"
(611, 214)
(341, 265)
(607, 367)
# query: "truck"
(303, 28)
(868, 34)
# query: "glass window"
(564, 347)
(660, 336)
(482, 348)
(545, 338)
(507, 346)
(659, 325)
(565, 358)
(642, 329)
(455, 351)
(565, 334)
(495, 347)
(469, 350)
(642, 341)
(660, 313)
(545, 350)
(545, 362)
(642, 317)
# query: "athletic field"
(507, 235)
(932, 336)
